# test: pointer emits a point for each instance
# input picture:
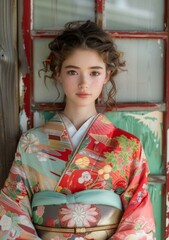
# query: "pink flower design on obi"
(78, 215)
(40, 211)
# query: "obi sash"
(91, 214)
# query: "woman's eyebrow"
(96, 67)
(76, 67)
(72, 66)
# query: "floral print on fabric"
(38, 214)
(5, 223)
(78, 215)
(29, 143)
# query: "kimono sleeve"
(138, 220)
(15, 210)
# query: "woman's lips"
(83, 95)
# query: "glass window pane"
(144, 15)
(143, 79)
(53, 14)
(44, 91)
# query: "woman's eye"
(95, 73)
(72, 73)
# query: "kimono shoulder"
(43, 153)
(115, 132)
(53, 129)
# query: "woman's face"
(83, 75)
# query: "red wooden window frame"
(30, 106)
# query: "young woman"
(79, 177)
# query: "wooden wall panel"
(9, 107)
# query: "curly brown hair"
(84, 35)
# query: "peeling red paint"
(100, 6)
(147, 35)
(28, 46)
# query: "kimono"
(96, 191)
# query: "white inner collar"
(76, 135)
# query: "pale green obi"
(89, 214)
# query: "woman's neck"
(79, 116)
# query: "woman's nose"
(83, 87)
(83, 84)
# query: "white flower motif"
(85, 177)
(5, 223)
(42, 157)
(20, 186)
(145, 186)
(78, 215)
(79, 238)
(140, 196)
(29, 143)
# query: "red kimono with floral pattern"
(107, 159)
